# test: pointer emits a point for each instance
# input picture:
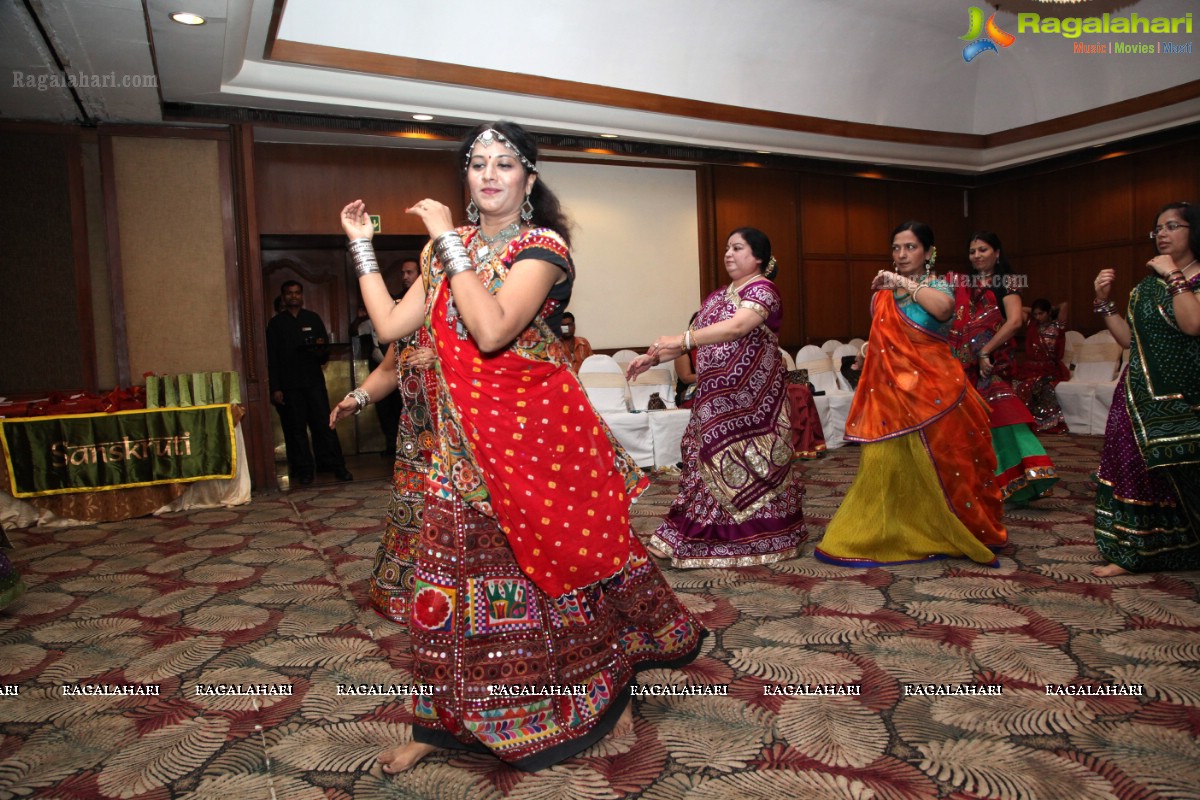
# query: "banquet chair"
(1074, 339)
(656, 379)
(789, 363)
(623, 357)
(834, 405)
(838, 355)
(604, 381)
(829, 346)
(1087, 396)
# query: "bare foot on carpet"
(404, 756)
(624, 725)
(658, 552)
(1109, 571)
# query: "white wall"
(636, 249)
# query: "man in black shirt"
(296, 351)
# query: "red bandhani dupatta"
(522, 444)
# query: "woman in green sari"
(1148, 498)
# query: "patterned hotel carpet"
(273, 593)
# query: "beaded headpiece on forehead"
(492, 135)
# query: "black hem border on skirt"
(561, 752)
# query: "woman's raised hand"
(640, 365)
(356, 222)
(436, 216)
(1103, 283)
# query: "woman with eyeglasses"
(1148, 497)
(925, 487)
(987, 313)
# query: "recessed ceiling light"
(763, 152)
(186, 18)
(608, 136)
(423, 117)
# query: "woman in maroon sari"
(740, 502)
(1043, 367)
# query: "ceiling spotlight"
(608, 136)
(763, 152)
(186, 18)
(422, 117)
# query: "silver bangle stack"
(361, 398)
(453, 255)
(364, 257)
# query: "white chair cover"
(828, 348)
(667, 428)
(788, 362)
(838, 355)
(856, 343)
(624, 356)
(656, 379)
(633, 432)
(604, 381)
(834, 405)
(1087, 397)
(1074, 339)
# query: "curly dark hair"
(547, 210)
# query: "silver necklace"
(486, 245)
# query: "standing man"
(297, 348)
(578, 347)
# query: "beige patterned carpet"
(274, 593)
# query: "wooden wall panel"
(1163, 176)
(1042, 212)
(1101, 203)
(765, 199)
(1073, 221)
(301, 188)
(867, 221)
(996, 211)
(45, 342)
(827, 300)
(823, 215)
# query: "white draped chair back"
(789, 363)
(834, 405)
(849, 349)
(623, 357)
(819, 366)
(604, 380)
(1087, 397)
(856, 343)
(1074, 339)
(656, 379)
(829, 346)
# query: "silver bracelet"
(361, 398)
(364, 256)
(452, 253)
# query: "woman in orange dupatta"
(533, 603)
(925, 487)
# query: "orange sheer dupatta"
(911, 383)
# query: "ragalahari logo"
(979, 44)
